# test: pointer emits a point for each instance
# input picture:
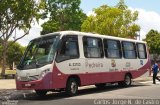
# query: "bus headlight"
(43, 74)
(18, 78)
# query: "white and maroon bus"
(69, 59)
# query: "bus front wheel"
(72, 87)
(41, 92)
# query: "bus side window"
(69, 48)
(129, 50)
(141, 51)
(112, 48)
(93, 47)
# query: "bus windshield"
(39, 52)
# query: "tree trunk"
(10, 67)
(4, 57)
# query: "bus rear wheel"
(41, 92)
(127, 81)
(72, 87)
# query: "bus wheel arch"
(72, 84)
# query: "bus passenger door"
(93, 59)
(68, 59)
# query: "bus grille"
(33, 78)
(30, 78)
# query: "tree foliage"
(153, 41)
(64, 15)
(116, 21)
(16, 14)
(14, 54)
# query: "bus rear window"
(141, 51)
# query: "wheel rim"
(127, 80)
(73, 87)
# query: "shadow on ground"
(31, 96)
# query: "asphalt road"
(137, 94)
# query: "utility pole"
(138, 37)
(13, 66)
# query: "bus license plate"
(27, 85)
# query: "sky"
(149, 16)
(148, 5)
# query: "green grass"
(9, 72)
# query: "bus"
(66, 60)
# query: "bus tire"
(127, 81)
(41, 92)
(72, 87)
(101, 85)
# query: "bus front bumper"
(41, 84)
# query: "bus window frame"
(60, 45)
(119, 46)
(145, 50)
(101, 47)
(123, 50)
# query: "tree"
(16, 14)
(14, 54)
(153, 42)
(116, 21)
(64, 15)
(0, 50)
(0, 54)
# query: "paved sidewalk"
(7, 84)
(142, 79)
(146, 77)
